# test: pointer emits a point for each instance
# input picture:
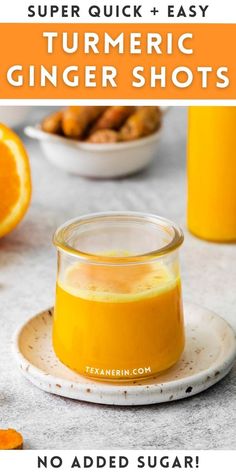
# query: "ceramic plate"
(209, 355)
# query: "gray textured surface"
(27, 275)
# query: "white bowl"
(14, 116)
(97, 160)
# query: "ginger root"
(10, 439)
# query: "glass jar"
(118, 311)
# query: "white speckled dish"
(209, 355)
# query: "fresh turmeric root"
(101, 124)
(112, 118)
(102, 136)
(76, 120)
(10, 439)
(145, 121)
(53, 123)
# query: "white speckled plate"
(209, 355)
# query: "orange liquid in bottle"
(212, 173)
(118, 323)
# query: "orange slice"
(15, 180)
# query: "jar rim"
(59, 238)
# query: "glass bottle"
(211, 213)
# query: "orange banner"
(122, 61)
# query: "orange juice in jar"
(118, 312)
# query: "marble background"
(27, 277)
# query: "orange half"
(15, 180)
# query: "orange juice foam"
(118, 322)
